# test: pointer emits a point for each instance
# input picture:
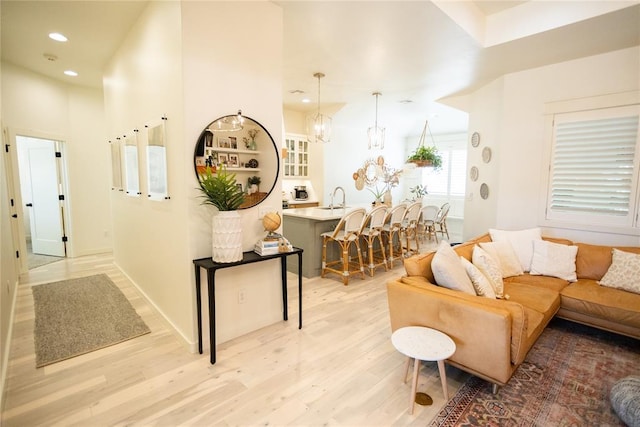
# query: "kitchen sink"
(334, 207)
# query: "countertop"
(321, 213)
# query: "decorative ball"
(271, 221)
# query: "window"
(450, 180)
(594, 167)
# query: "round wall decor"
(474, 173)
(484, 191)
(475, 139)
(486, 154)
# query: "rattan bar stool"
(346, 235)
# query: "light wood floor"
(340, 369)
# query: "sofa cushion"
(545, 301)
(588, 297)
(547, 282)
(593, 261)
(449, 271)
(489, 268)
(555, 260)
(481, 283)
(624, 272)
(506, 256)
(522, 242)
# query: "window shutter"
(593, 166)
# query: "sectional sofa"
(493, 336)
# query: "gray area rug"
(77, 316)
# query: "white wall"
(509, 115)
(195, 62)
(39, 106)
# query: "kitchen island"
(303, 227)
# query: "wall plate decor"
(473, 173)
(475, 139)
(484, 191)
(486, 154)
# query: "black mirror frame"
(200, 144)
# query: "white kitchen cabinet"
(296, 162)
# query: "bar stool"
(441, 220)
(346, 234)
(372, 232)
(427, 224)
(409, 228)
(391, 232)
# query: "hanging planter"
(425, 156)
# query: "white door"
(40, 183)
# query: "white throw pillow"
(521, 241)
(448, 270)
(490, 268)
(624, 272)
(554, 259)
(504, 253)
(480, 282)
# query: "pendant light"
(376, 134)
(228, 123)
(318, 125)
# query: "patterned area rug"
(564, 381)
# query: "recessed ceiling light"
(306, 100)
(71, 73)
(57, 37)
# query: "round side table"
(420, 343)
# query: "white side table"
(420, 343)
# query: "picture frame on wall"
(233, 161)
(233, 142)
(239, 185)
(223, 158)
(224, 142)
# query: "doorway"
(40, 169)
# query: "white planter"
(226, 236)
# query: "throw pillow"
(504, 253)
(554, 259)
(490, 268)
(623, 272)
(480, 282)
(521, 241)
(448, 270)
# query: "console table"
(247, 258)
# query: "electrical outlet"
(241, 296)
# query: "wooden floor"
(340, 369)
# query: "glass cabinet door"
(296, 163)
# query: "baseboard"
(191, 346)
(7, 348)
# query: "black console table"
(247, 258)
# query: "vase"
(226, 237)
(253, 145)
(387, 198)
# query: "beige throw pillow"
(554, 259)
(480, 282)
(506, 256)
(521, 241)
(624, 272)
(448, 270)
(490, 268)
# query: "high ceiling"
(413, 52)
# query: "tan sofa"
(493, 336)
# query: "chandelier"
(227, 123)
(318, 125)
(376, 134)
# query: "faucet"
(343, 204)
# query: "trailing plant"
(426, 156)
(221, 189)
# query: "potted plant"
(254, 182)
(221, 191)
(426, 156)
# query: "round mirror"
(247, 150)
